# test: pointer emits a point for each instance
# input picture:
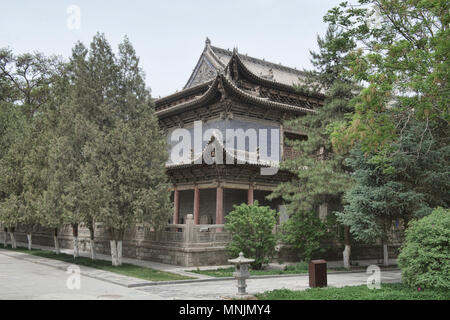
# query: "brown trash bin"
(317, 273)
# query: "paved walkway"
(227, 288)
(23, 279)
(41, 278)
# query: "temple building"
(226, 139)
(242, 102)
(226, 133)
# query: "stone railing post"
(189, 230)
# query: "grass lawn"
(388, 291)
(299, 268)
(126, 268)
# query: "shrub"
(425, 255)
(303, 231)
(251, 229)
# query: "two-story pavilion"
(228, 90)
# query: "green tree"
(25, 81)
(125, 162)
(65, 155)
(304, 231)
(251, 228)
(402, 58)
(320, 174)
(407, 186)
(400, 125)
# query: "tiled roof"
(219, 58)
(262, 68)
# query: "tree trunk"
(29, 238)
(93, 254)
(119, 253)
(5, 237)
(55, 238)
(13, 240)
(92, 242)
(75, 240)
(347, 251)
(385, 254)
(113, 252)
(75, 247)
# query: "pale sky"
(169, 35)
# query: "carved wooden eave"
(228, 154)
(222, 83)
(206, 97)
(234, 91)
(182, 96)
(245, 73)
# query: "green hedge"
(425, 255)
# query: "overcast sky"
(169, 35)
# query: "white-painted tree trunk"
(29, 238)
(385, 255)
(13, 240)
(55, 238)
(113, 252)
(346, 256)
(75, 247)
(119, 253)
(93, 254)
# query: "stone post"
(189, 230)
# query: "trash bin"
(317, 273)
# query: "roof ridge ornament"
(207, 41)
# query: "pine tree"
(408, 186)
(320, 175)
(399, 130)
(25, 81)
(125, 163)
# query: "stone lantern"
(241, 272)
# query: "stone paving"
(202, 288)
(226, 289)
(107, 276)
(24, 279)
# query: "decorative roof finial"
(207, 41)
(235, 50)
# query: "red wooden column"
(176, 206)
(250, 196)
(196, 204)
(219, 207)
